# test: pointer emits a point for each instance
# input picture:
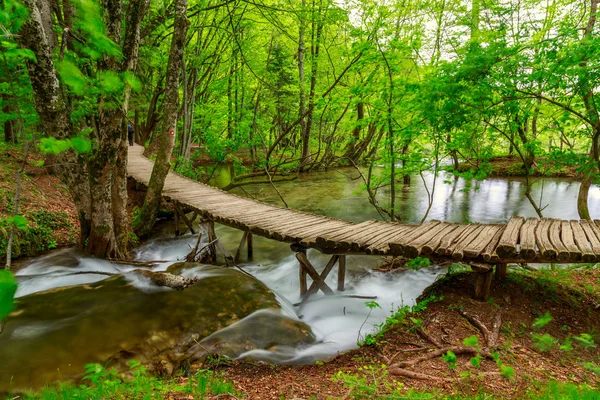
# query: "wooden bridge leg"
(501, 271)
(212, 236)
(249, 245)
(318, 280)
(238, 253)
(176, 214)
(341, 273)
(303, 283)
(483, 281)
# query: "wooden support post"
(341, 273)
(238, 253)
(212, 236)
(177, 233)
(501, 271)
(303, 283)
(483, 281)
(249, 245)
(319, 280)
(185, 219)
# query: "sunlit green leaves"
(90, 20)
(72, 77)
(109, 82)
(8, 288)
(52, 145)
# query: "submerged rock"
(264, 329)
(52, 335)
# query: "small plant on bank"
(544, 343)
(585, 340)
(107, 384)
(417, 263)
(542, 321)
(450, 359)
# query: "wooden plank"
(397, 247)
(431, 246)
(458, 250)
(382, 245)
(507, 247)
(582, 242)
(450, 238)
(542, 239)
(363, 239)
(566, 235)
(460, 238)
(332, 240)
(562, 254)
(490, 249)
(527, 239)
(324, 227)
(415, 247)
(593, 237)
(473, 249)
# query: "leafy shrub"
(36, 235)
(545, 342)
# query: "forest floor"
(513, 166)
(44, 201)
(549, 331)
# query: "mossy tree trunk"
(145, 221)
(96, 181)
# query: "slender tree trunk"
(315, 49)
(301, 55)
(144, 223)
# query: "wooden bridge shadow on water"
(481, 245)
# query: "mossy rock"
(52, 335)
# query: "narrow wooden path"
(521, 240)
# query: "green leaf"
(110, 82)
(72, 76)
(471, 341)
(54, 146)
(507, 372)
(8, 288)
(19, 222)
(81, 145)
(585, 340)
(476, 361)
(132, 81)
(542, 321)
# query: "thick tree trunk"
(144, 223)
(96, 182)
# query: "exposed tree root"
(458, 350)
(490, 341)
(416, 375)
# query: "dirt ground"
(387, 366)
(40, 190)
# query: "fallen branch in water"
(348, 296)
(150, 263)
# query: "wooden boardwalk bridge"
(519, 241)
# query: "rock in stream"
(51, 335)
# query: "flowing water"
(64, 320)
